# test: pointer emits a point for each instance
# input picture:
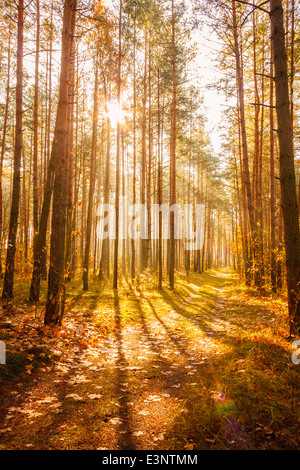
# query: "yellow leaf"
(189, 447)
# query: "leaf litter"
(79, 359)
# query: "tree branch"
(262, 104)
(255, 7)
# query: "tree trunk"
(173, 155)
(149, 176)
(60, 189)
(133, 248)
(3, 143)
(35, 133)
(159, 184)
(59, 141)
(144, 242)
(15, 201)
(256, 160)
(245, 158)
(104, 261)
(116, 250)
(286, 164)
(85, 275)
(272, 182)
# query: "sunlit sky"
(207, 74)
(204, 73)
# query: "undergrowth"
(245, 394)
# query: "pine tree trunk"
(149, 175)
(85, 276)
(144, 242)
(117, 192)
(4, 142)
(35, 134)
(133, 247)
(60, 188)
(159, 185)
(15, 200)
(173, 156)
(58, 142)
(272, 182)
(244, 143)
(256, 160)
(286, 163)
(104, 261)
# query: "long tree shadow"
(167, 329)
(155, 344)
(125, 441)
(45, 428)
(202, 308)
(254, 409)
(89, 298)
(195, 314)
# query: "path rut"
(126, 393)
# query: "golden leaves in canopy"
(101, 24)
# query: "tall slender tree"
(173, 149)
(286, 165)
(118, 138)
(15, 200)
(5, 124)
(60, 190)
(85, 276)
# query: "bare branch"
(255, 7)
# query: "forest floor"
(205, 367)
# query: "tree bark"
(286, 165)
(85, 275)
(144, 242)
(104, 261)
(173, 155)
(272, 182)
(116, 250)
(4, 142)
(35, 133)
(133, 247)
(59, 141)
(245, 157)
(60, 189)
(15, 201)
(159, 185)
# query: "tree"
(35, 130)
(59, 148)
(5, 124)
(287, 170)
(85, 275)
(116, 248)
(15, 202)
(173, 152)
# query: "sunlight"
(115, 113)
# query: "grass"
(250, 398)
(246, 390)
(251, 365)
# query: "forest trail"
(157, 382)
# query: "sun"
(115, 113)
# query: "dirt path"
(129, 391)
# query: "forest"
(149, 225)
